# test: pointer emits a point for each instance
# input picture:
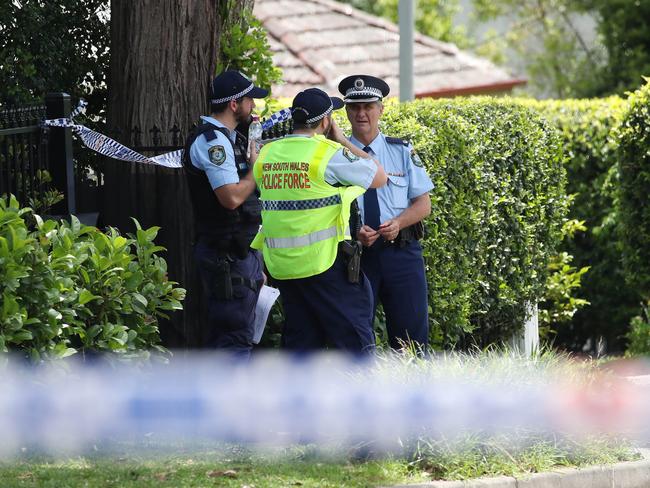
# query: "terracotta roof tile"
(319, 42)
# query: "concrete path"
(634, 474)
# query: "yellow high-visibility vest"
(303, 217)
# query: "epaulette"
(396, 140)
(210, 135)
(208, 131)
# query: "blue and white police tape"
(109, 147)
(106, 146)
(278, 401)
(277, 117)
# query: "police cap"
(232, 85)
(363, 88)
(312, 104)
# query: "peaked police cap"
(363, 88)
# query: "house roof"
(319, 42)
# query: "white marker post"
(406, 13)
(526, 341)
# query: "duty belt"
(413, 232)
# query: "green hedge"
(497, 210)
(634, 170)
(67, 288)
(588, 135)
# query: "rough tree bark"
(163, 58)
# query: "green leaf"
(86, 296)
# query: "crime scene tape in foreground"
(276, 400)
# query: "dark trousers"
(397, 277)
(230, 322)
(326, 309)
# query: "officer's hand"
(367, 236)
(336, 134)
(389, 229)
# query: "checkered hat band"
(301, 204)
(235, 96)
(314, 119)
(366, 92)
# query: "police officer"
(307, 183)
(392, 257)
(227, 213)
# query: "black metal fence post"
(58, 105)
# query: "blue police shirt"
(221, 170)
(347, 169)
(406, 179)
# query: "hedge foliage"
(588, 135)
(498, 207)
(67, 288)
(634, 170)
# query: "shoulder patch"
(396, 140)
(350, 156)
(217, 154)
(416, 159)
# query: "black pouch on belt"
(222, 281)
(352, 252)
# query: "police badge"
(217, 155)
(416, 159)
(350, 156)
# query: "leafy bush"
(634, 171)
(498, 209)
(67, 288)
(245, 47)
(639, 334)
(587, 131)
(559, 304)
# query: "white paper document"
(268, 296)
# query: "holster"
(352, 253)
(222, 282)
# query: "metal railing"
(23, 151)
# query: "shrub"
(639, 334)
(498, 209)
(587, 132)
(67, 288)
(560, 304)
(634, 171)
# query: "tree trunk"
(163, 59)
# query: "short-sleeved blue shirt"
(407, 178)
(208, 157)
(348, 169)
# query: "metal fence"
(23, 152)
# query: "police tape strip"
(109, 147)
(106, 146)
(277, 117)
(278, 399)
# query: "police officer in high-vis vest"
(226, 213)
(392, 256)
(307, 182)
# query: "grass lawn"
(305, 466)
(204, 469)
(425, 456)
